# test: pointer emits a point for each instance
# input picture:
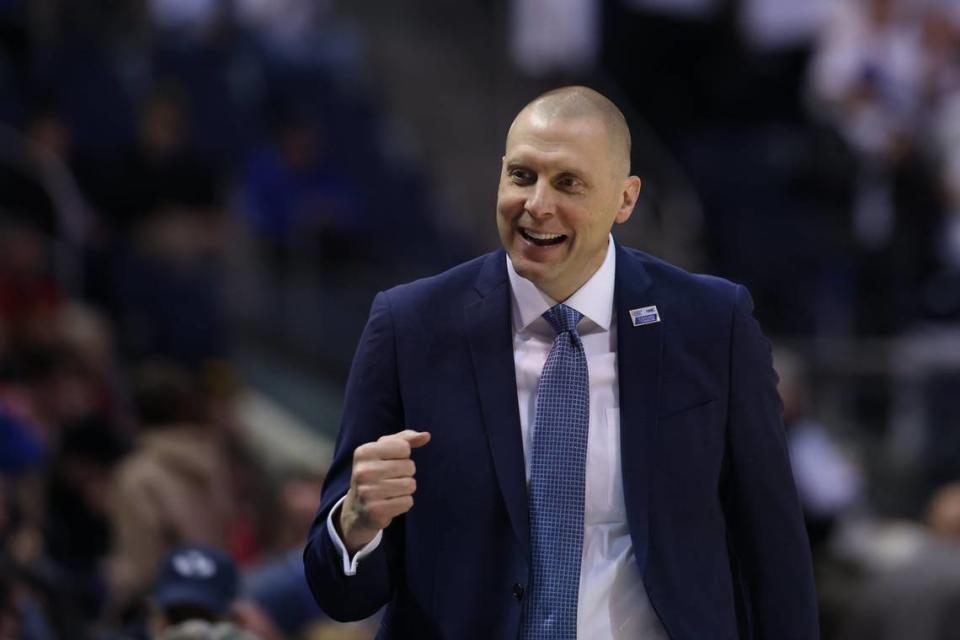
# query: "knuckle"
(361, 475)
(362, 452)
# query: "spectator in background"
(21, 445)
(30, 297)
(9, 625)
(307, 33)
(157, 172)
(867, 69)
(175, 486)
(195, 591)
(277, 585)
(300, 203)
(23, 614)
(919, 596)
(76, 525)
(177, 236)
(162, 225)
(829, 483)
(867, 78)
(941, 43)
(163, 176)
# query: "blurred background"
(199, 199)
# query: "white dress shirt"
(612, 600)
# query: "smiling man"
(565, 438)
(564, 183)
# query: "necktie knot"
(563, 318)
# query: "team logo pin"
(645, 315)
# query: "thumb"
(415, 439)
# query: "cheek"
(509, 206)
(578, 220)
(504, 191)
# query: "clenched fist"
(381, 487)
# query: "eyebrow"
(562, 170)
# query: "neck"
(560, 291)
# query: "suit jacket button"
(518, 591)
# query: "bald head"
(578, 102)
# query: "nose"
(540, 200)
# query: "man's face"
(561, 190)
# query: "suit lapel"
(638, 369)
(489, 331)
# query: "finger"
(391, 447)
(383, 510)
(415, 439)
(386, 489)
(404, 468)
(373, 471)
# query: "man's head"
(564, 183)
(195, 582)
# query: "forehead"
(579, 142)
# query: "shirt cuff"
(350, 566)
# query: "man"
(609, 467)
(174, 488)
(194, 594)
(912, 595)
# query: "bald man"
(564, 438)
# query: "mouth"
(542, 239)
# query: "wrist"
(353, 535)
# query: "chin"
(535, 272)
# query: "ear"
(628, 199)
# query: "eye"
(521, 176)
(569, 183)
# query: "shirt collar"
(594, 299)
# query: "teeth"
(543, 236)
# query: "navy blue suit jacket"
(711, 505)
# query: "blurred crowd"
(180, 178)
(821, 140)
(143, 147)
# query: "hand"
(381, 487)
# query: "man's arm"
(372, 409)
(763, 511)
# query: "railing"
(894, 402)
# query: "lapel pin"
(644, 315)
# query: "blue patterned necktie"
(557, 480)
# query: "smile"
(542, 239)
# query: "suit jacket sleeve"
(765, 522)
(371, 409)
